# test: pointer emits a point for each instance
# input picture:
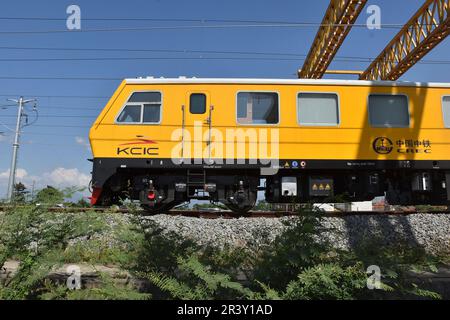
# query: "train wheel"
(158, 208)
(240, 211)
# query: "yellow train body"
(351, 139)
(166, 141)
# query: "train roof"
(186, 80)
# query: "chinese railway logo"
(383, 145)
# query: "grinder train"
(167, 141)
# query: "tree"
(50, 195)
(20, 192)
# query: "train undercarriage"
(160, 190)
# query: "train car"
(167, 141)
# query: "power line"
(351, 60)
(161, 20)
(154, 50)
(53, 144)
(58, 134)
(188, 51)
(56, 126)
(56, 116)
(347, 59)
(150, 58)
(194, 27)
(58, 96)
(61, 126)
(62, 78)
(73, 108)
(204, 21)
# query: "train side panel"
(353, 157)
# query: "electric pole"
(12, 173)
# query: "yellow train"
(167, 141)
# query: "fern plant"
(108, 289)
(327, 281)
(294, 250)
(195, 282)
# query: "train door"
(198, 120)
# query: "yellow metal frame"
(424, 31)
(357, 72)
(336, 24)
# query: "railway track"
(252, 214)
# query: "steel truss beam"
(336, 24)
(424, 31)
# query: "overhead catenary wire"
(154, 50)
(54, 144)
(56, 126)
(189, 51)
(53, 134)
(57, 116)
(61, 78)
(338, 59)
(183, 20)
(194, 27)
(58, 96)
(73, 108)
(99, 108)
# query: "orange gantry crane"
(335, 26)
(424, 31)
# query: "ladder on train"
(196, 180)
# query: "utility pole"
(12, 173)
(32, 190)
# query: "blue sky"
(54, 150)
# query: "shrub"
(294, 250)
(194, 281)
(327, 281)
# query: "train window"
(197, 103)
(318, 109)
(446, 110)
(148, 97)
(257, 108)
(390, 111)
(130, 114)
(152, 113)
(142, 107)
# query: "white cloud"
(82, 142)
(20, 174)
(62, 177)
(58, 178)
